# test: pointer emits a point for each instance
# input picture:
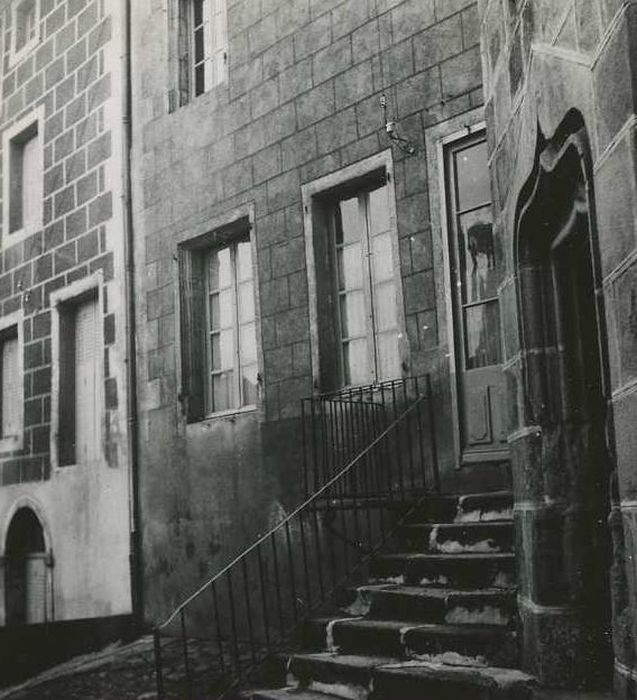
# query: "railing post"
(432, 429)
(184, 641)
(159, 674)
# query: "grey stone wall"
(302, 100)
(543, 60)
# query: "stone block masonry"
(302, 100)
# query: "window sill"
(230, 414)
(11, 443)
(15, 56)
(20, 234)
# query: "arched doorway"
(26, 586)
(565, 384)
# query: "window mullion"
(368, 285)
(235, 318)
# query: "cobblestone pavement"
(119, 672)
(127, 672)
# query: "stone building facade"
(561, 118)
(293, 117)
(65, 484)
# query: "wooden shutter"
(192, 319)
(11, 381)
(87, 381)
(35, 585)
(66, 367)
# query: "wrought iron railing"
(339, 425)
(256, 605)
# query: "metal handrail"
(288, 563)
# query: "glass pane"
(31, 190)
(215, 352)
(223, 391)
(388, 356)
(378, 211)
(385, 306)
(248, 344)
(198, 12)
(482, 335)
(350, 265)
(246, 302)
(472, 176)
(213, 272)
(356, 362)
(226, 311)
(227, 349)
(215, 316)
(244, 261)
(199, 80)
(347, 221)
(10, 382)
(199, 45)
(383, 258)
(480, 256)
(352, 314)
(225, 269)
(249, 385)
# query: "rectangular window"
(11, 384)
(218, 328)
(203, 46)
(365, 285)
(25, 35)
(25, 23)
(232, 348)
(79, 381)
(24, 175)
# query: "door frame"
(437, 139)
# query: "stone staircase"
(436, 619)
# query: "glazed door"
(476, 271)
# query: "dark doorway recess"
(568, 472)
(25, 570)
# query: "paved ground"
(117, 673)
(126, 672)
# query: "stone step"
(291, 693)
(468, 645)
(431, 604)
(476, 507)
(354, 676)
(464, 571)
(451, 538)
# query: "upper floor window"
(203, 47)
(25, 27)
(23, 178)
(218, 327)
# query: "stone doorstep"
(468, 508)
(431, 604)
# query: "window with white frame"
(26, 16)
(10, 384)
(204, 46)
(218, 328)
(365, 285)
(79, 391)
(23, 177)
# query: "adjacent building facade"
(65, 494)
(325, 194)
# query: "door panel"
(476, 271)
